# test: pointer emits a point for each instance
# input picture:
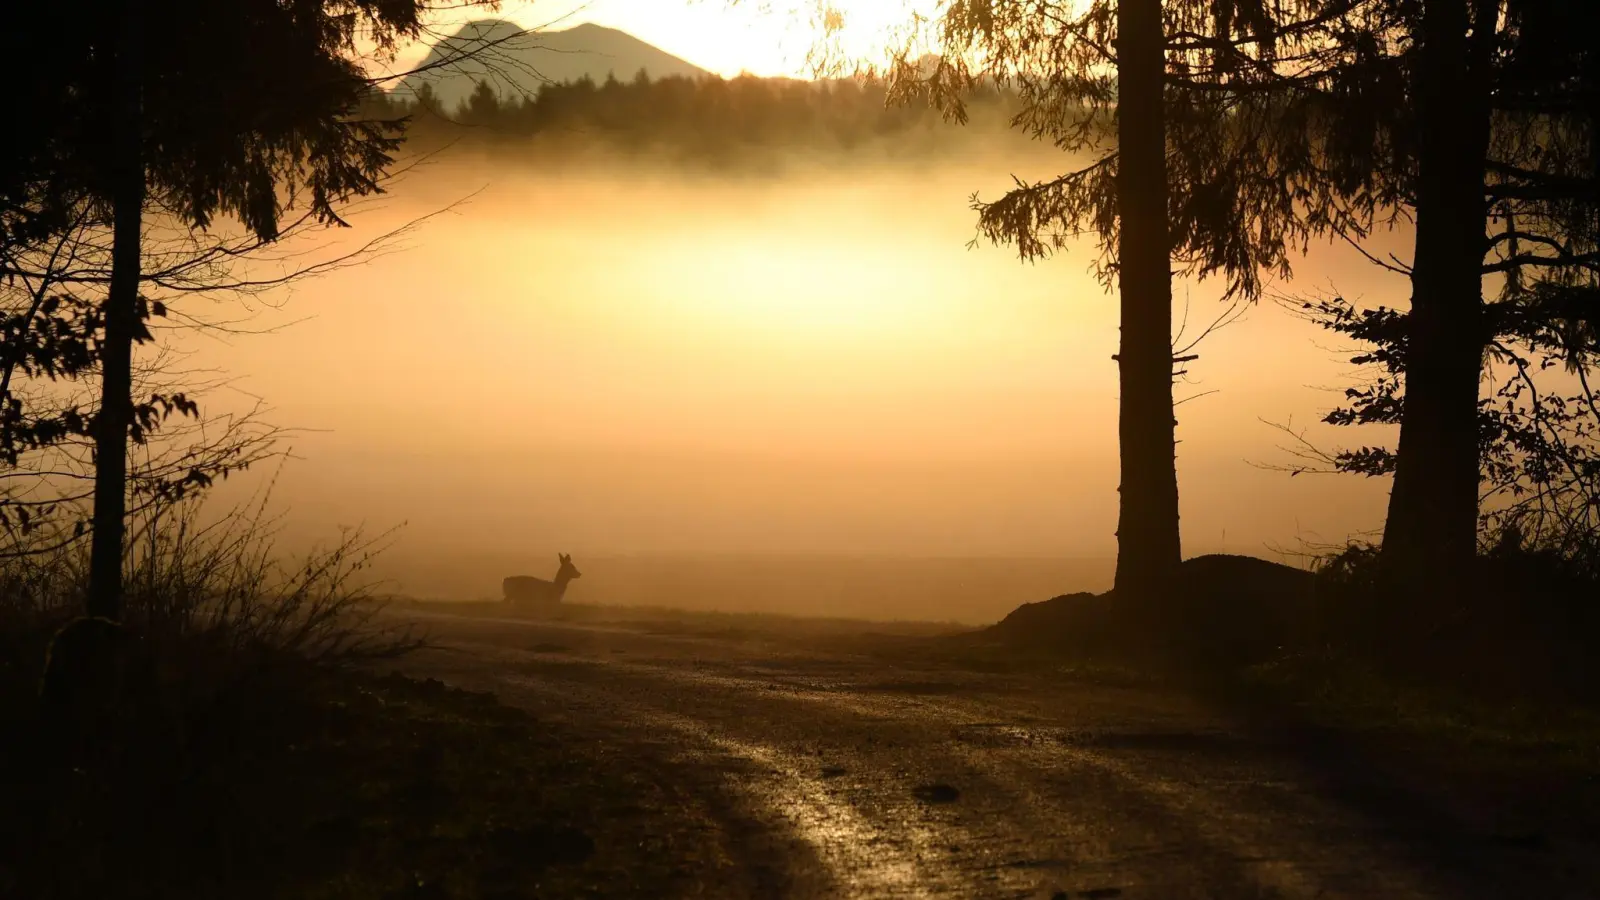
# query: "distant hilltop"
(518, 62)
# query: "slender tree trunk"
(1148, 548)
(121, 313)
(1430, 537)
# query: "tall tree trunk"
(121, 321)
(1148, 548)
(1430, 536)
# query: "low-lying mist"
(646, 361)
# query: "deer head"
(568, 571)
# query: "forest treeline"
(687, 119)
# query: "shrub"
(132, 733)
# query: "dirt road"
(818, 772)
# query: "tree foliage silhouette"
(1501, 106)
(1479, 127)
(1211, 127)
(1538, 424)
(1295, 120)
(198, 128)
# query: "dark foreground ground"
(771, 759)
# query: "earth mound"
(1224, 609)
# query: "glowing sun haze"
(620, 358)
(616, 361)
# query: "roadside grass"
(239, 735)
(316, 783)
(1352, 695)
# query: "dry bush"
(227, 583)
(210, 602)
(133, 739)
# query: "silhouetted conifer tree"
(1195, 99)
(1501, 109)
(201, 109)
(1479, 125)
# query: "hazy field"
(650, 368)
(972, 591)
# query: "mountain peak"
(519, 62)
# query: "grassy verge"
(1345, 694)
(335, 784)
(234, 737)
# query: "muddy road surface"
(818, 770)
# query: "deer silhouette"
(525, 590)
